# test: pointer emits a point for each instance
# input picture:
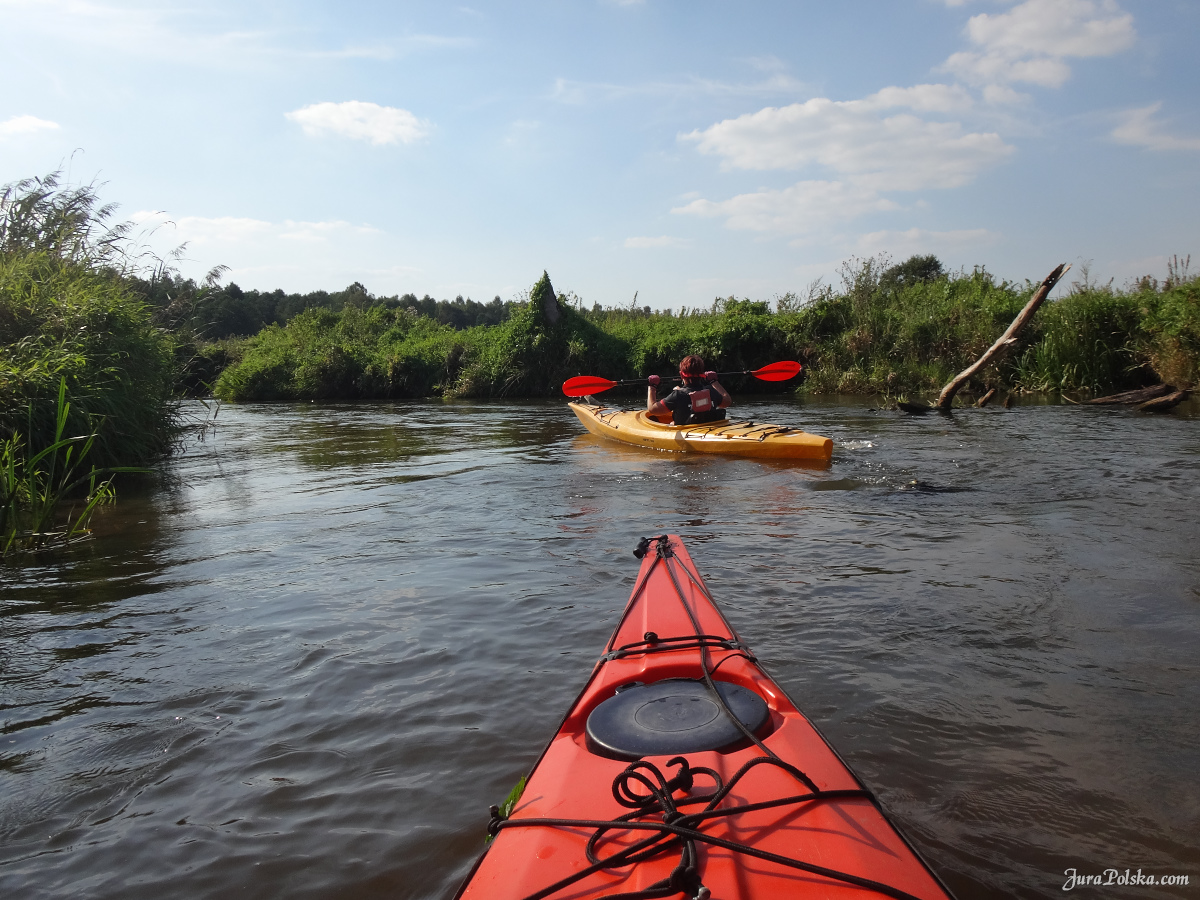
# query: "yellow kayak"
(728, 437)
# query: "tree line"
(213, 311)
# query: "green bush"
(1084, 342)
(63, 320)
(897, 335)
(322, 354)
(1169, 337)
(386, 353)
(70, 313)
(897, 330)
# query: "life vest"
(702, 401)
(701, 407)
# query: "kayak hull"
(841, 830)
(726, 437)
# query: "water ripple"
(307, 660)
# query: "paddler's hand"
(652, 391)
(710, 376)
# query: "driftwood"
(1162, 404)
(919, 409)
(1005, 341)
(1141, 395)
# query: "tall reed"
(36, 483)
(68, 310)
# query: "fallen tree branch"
(1163, 404)
(1141, 395)
(1005, 341)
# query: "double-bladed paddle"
(582, 385)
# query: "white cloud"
(803, 207)
(651, 243)
(26, 125)
(230, 229)
(776, 82)
(316, 232)
(199, 231)
(1031, 41)
(208, 35)
(1140, 129)
(1003, 95)
(900, 152)
(943, 98)
(985, 68)
(1078, 28)
(917, 240)
(871, 146)
(361, 121)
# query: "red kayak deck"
(832, 843)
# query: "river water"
(305, 661)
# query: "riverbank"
(87, 378)
(896, 331)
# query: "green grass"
(63, 321)
(85, 373)
(895, 330)
(895, 338)
(36, 486)
(392, 353)
(1169, 332)
(1087, 341)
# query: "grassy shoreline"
(87, 378)
(83, 304)
(896, 331)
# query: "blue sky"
(680, 150)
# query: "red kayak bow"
(683, 771)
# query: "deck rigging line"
(670, 826)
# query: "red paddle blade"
(778, 371)
(582, 385)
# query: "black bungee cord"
(672, 826)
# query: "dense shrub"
(1086, 341)
(898, 330)
(68, 311)
(1169, 340)
(391, 352)
(901, 335)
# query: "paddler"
(700, 398)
